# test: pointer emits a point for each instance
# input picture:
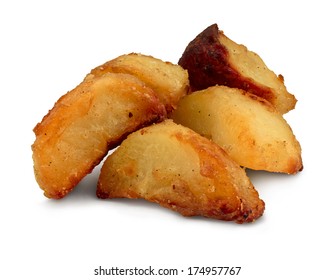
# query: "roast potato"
(172, 165)
(85, 123)
(214, 59)
(248, 127)
(169, 81)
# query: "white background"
(46, 49)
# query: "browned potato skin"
(208, 60)
(85, 123)
(169, 81)
(172, 165)
(246, 126)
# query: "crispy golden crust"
(85, 123)
(248, 127)
(171, 165)
(213, 59)
(169, 81)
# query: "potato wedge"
(85, 123)
(172, 165)
(248, 127)
(169, 81)
(214, 59)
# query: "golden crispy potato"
(169, 81)
(172, 165)
(85, 123)
(214, 59)
(248, 127)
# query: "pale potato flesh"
(250, 65)
(172, 165)
(248, 127)
(169, 81)
(85, 123)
